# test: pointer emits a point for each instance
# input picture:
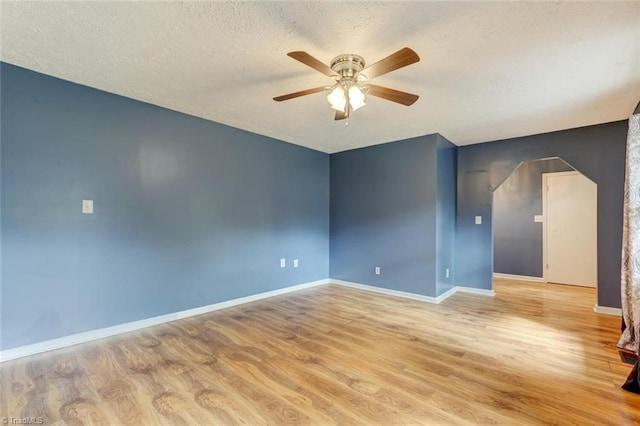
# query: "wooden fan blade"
(298, 94)
(401, 58)
(312, 62)
(392, 95)
(340, 115)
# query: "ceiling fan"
(348, 93)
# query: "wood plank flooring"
(534, 354)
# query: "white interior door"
(570, 231)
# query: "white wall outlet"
(538, 218)
(87, 206)
(295, 263)
(478, 220)
(446, 273)
(377, 270)
(283, 262)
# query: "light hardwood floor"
(534, 354)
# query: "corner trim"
(413, 296)
(518, 277)
(607, 310)
(87, 336)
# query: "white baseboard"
(518, 277)
(413, 296)
(607, 310)
(88, 336)
(386, 291)
(444, 296)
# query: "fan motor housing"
(347, 65)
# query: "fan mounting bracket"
(348, 65)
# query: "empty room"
(327, 213)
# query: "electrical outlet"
(446, 273)
(295, 263)
(283, 262)
(478, 220)
(377, 270)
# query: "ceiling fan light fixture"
(356, 98)
(337, 98)
(352, 80)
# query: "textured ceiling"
(489, 70)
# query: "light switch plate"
(295, 263)
(478, 220)
(283, 262)
(377, 270)
(538, 218)
(87, 206)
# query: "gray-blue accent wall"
(385, 201)
(187, 212)
(445, 214)
(598, 152)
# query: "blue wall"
(384, 205)
(596, 151)
(187, 212)
(517, 239)
(445, 214)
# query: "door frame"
(544, 219)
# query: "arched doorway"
(545, 225)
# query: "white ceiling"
(489, 70)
